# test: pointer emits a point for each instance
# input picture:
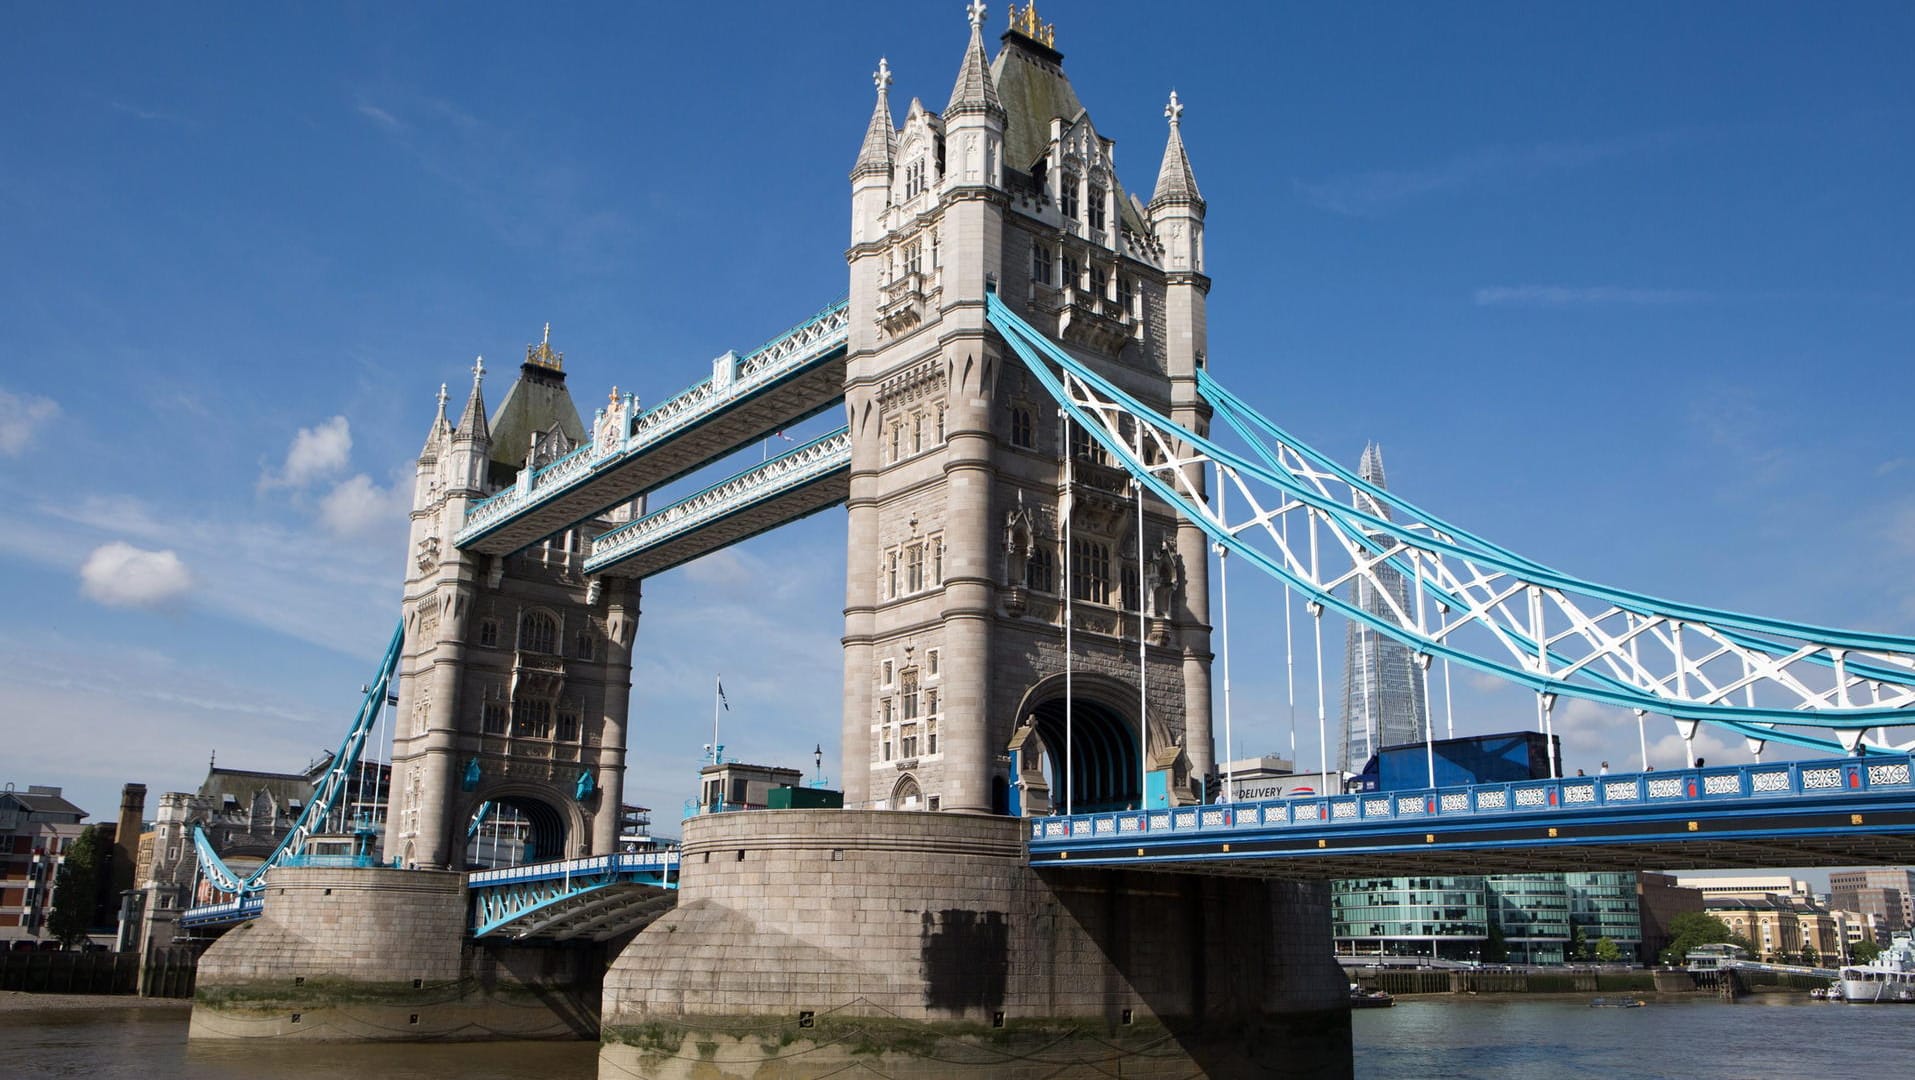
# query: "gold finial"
(542, 354)
(614, 395)
(1026, 22)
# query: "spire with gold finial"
(878, 154)
(975, 91)
(1026, 22)
(1176, 184)
(542, 354)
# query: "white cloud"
(316, 452)
(381, 117)
(21, 418)
(121, 575)
(1568, 296)
(358, 506)
(1485, 683)
(1381, 191)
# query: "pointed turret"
(439, 434)
(472, 423)
(1176, 184)
(975, 91)
(973, 123)
(879, 153)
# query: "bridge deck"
(806, 480)
(1819, 813)
(598, 897)
(796, 376)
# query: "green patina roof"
(533, 404)
(1033, 89)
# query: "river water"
(1483, 1038)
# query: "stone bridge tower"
(516, 670)
(963, 471)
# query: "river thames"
(1481, 1038)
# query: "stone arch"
(906, 795)
(556, 826)
(1105, 769)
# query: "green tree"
(1693, 928)
(1578, 943)
(76, 888)
(1810, 958)
(1607, 951)
(1495, 946)
(1864, 950)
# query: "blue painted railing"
(778, 359)
(663, 863)
(231, 911)
(1806, 780)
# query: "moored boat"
(1369, 999)
(1889, 978)
(1616, 1003)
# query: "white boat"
(1890, 977)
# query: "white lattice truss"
(1307, 521)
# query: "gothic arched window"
(1040, 571)
(538, 632)
(1023, 430)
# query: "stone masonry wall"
(923, 945)
(372, 955)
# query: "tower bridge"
(1034, 487)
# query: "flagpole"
(1070, 510)
(717, 699)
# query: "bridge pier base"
(374, 955)
(816, 943)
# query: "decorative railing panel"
(1769, 785)
(810, 462)
(734, 378)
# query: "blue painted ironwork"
(225, 913)
(595, 897)
(1709, 802)
(817, 340)
(826, 457)
(1627, 650)
(326, 796)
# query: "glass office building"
(1442, 917)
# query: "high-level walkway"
(797, 375)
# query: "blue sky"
(1625, 287)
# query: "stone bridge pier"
(846, 943)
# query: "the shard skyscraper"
(1383, 701)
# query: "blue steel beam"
(1809, 683)
(598, 897)
(802, 482)
(327, 793)
(1834, 812)
(797, 375)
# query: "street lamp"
(818, 759)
